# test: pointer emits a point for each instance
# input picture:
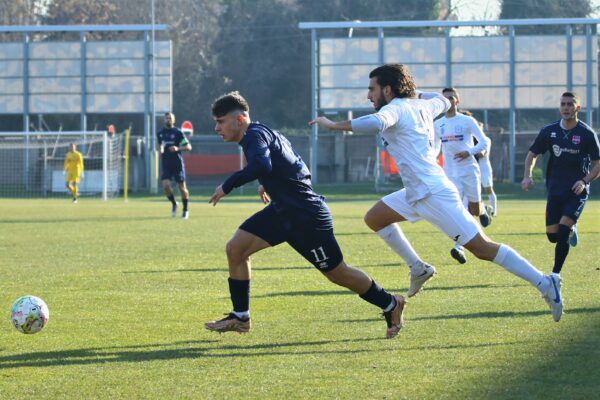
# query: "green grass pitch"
(129, 289)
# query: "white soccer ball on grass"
(29, 314)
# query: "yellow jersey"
(73, 163)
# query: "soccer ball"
(29, 314)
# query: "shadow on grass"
(175, 351)
(341, 292)
(224, 269)
(99, 219)
(487, 315)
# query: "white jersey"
(406, 128)
(455, 134)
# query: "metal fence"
(509, 81)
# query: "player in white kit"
(455, 133)
(405, 124)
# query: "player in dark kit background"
(294, 214)
(172, 142)
(574, 163)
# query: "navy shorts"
(568, 205)
(304, 234)
(173, 172)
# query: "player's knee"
(552, 237)
(368, 220)
(233, 250)
(562, 236)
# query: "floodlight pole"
(26, 120)
(513, 107)
(154, 183)
(83, 84)
(314, 137)
(589, 80)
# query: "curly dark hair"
(232, 101)
(397, 77)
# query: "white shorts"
(444, 210)
(487, 179)
(468, 186)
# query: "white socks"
(492, 198)
(394, 237)
(512, 261)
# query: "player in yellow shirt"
(73, 168)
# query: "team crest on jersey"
(172, 136)
(552, 134)
(576, 139)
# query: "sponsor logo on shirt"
(557, 150)
(453, 138)
(576, 139)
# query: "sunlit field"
(129, 289)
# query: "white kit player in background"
(405, 124)
(455, 133)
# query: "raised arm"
(331, 125)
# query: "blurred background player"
(172, 142)
(574, 163)
(455, 132)
(73, 167)
(295, 214)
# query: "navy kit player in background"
(574, 163)
(295, 214)
(172, 142)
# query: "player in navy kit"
(295, 214)
(574, 163)
(172, 142)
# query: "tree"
(254, 46)
(263, 54)
(520, 9)
(19, 12)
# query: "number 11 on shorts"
(319, 254)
